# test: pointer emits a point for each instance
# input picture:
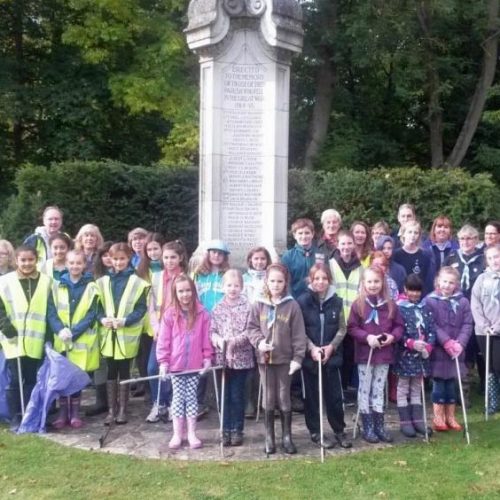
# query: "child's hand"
(294, 367)
(118, 323)
(163, 372)
(107, 322)
(264, 346)
(373, 341)
(389, 339)
(328, 352)
(425, 354)
(419, 345)
(207, 363)
(316, 353)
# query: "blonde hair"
(7, 246)
(407, 225)
(385, 292)
(88, 228)
(447, 270)
(233, 273)
(80, 253)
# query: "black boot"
(286, 433)
(378, 424)
(101, 402)
(270, 439)
(328, 444)
(14, 405)
(405, 422)
(368, 430)
(417, 417)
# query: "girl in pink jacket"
(184, 344)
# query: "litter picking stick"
(222, 393)
(259, 401)
(320, 389)
(153, 377)
(21, 384)
(266, 406)
(367, 383)
(487, 375)
(424, 404)
(462, 400)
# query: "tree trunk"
(434, 109)
(489, 63)
(325, 89)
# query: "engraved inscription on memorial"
(243, 161)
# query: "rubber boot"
(63, 415)
(112, 391)
(226, 438)
(75, 420)
(270, 438)
(178, 428)
(193, 440)
(286, 433)
(405, 422)
(493, 393)
(450, 418)
(368, 428)
(378, 425)
(121, 418)
(101, 402)
(237, 438)
(439, 421)
(14, 406)
(417, 417)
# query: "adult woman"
(331, 222)
(89, 239)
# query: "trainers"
(164, 414)
(154, 414)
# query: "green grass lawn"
(31, 467)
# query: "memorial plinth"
(245, 50)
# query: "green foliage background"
(118, 197)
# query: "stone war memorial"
(245, 49)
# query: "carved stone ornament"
(248, 7)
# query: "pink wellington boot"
(193, 440)
(62, 417)
(76, 421)
(178, 427)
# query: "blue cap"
(218, 245)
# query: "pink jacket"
(179, 348)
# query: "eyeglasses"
(466, 238)
(4, 254)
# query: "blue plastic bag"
(57, 377)
(4, 384)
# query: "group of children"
(349, 298)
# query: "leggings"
(371, 387)
(409, 388)
(184, 401)
(118, 369)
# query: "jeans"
(234, 400)
(166, 387)
(443, 391)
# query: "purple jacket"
(359, 330)
(449, 325)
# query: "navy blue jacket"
(312, 309)
(75, 291)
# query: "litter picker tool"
(462, 400)
(320, 389)
(487, 375)
(222, 394)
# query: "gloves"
(264, 346)
(294, 366)
(419, 345)
(425, 354)
(207, 363)
(453, 348)
(118, 323)
(490, 331)
(65, 335)
(373, 341)
(163, 372)
(107, 322)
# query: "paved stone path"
(140, 439)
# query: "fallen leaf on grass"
(13, 492)
(363, 473)
(381, 494)
(402, 463)
(479, 473)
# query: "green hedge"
(114, 196)
(118, 197)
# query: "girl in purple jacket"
(376, 325)
(453, 321)
(184, 344)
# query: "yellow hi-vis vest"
(125, 343)
(84, 352)
(47, 267)
(41, 249)
(29, 318)
(346, 289)
(155, 296)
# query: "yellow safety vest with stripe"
(41, 249)
(47, 267)
(85, 351)
(346, 289)
(29, 318)
(123, 343)
(155, 295)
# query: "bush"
(115, 196)
(376, 194)
(118, 197)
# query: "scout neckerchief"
(373, 316)
(453, 300)
(465, 279)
